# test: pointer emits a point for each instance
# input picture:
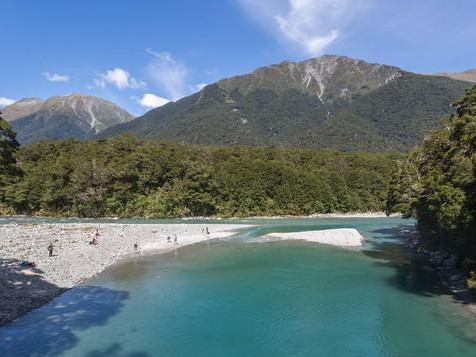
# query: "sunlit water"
(243, 297)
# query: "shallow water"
(242, 297)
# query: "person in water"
(94, 241)
(168, 239)
(136, 247)
(50, 249)
(175, 240)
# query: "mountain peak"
(21, 108)
(74, 115)
(28, 100)
(331, 78)
(328, 102)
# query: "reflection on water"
(411, 273)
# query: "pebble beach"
(30, 277)
(75, 259)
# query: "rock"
(456, 277)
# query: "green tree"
(8, 146)
(125, 177)
(437, 183)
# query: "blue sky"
(139, 54)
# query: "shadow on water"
(50, 330)
(115, 350)
(412, 273)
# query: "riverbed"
(246, 295)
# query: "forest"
(436, 183)
(127, 177)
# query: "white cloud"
(54, 77)
(151, 101)
(119, 78)
(200, 86)
(168, 74)
(194, 88)
(312, 25)
(6, 101)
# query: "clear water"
(240, 297)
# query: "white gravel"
(342, 237)
(75, 259)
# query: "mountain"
(21, 108)
(72, 116)
(326, 102)
(468, 76)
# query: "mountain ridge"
(315, 76)
(468, 76)
(60, 117)
(327, 102)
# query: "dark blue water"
(240, 297)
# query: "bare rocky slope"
(468, 76)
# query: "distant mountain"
(72, 116)
(21, 108)
(468, 76)
(326, 102)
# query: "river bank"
(29, 277)
(75, 259)
(445, 265)
(211, 218)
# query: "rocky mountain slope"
(21, 108)
(330, 78)
(468, 76)
(326, 102)
(72, 116)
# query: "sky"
(141, 54)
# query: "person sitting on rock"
(27, 263)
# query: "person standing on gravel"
(50, 249)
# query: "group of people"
(95, 241)
(175, 239)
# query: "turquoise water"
(242, 297)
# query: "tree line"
(127, 177)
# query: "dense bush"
(437, 183)
(126, 177)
